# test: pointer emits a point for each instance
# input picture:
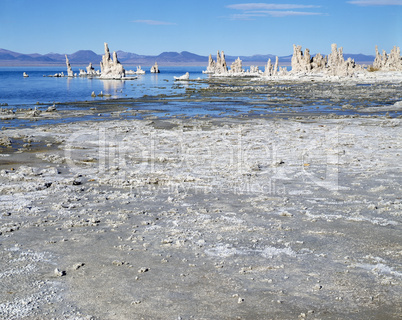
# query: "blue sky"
(238, 27)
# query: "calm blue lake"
(15, 90)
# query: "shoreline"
(230, 96)
(203, 218)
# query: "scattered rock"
(5, 141)
(51, 108)
(35, 113)
(78, 265)
(59, 273)
(143, 270)
(118, 263)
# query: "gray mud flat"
(203, 219)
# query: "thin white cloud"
(246, 16)
(292, 13)
(268, 6)
(278, 14)
(154, 22)
(377, 2)
(254, 10)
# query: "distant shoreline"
(165, 64)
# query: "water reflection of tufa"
(113, 85)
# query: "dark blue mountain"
(84, 57)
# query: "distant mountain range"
(184, 58)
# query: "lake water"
(15, 90)
(161, 96)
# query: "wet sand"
(222, 218)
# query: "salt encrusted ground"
(203, 219)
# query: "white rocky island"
(138, 71)
(219, 67)
(155, 68)
(303, 64)
(185, 76)
(333, 65)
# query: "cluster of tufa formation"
(218, 67)
(334, 64)
(91, 72)
(385, 62)
(111, 68)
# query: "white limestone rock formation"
(300, 62)
(221, 66)
(254, 70)
(236, 66)
(139, 70)
(218, 67)
(211, 65)
(303, 63)
(272, 70)
(91, 71)
(111, 68)
(155, 68)
(391, 62)
(70, 72)
(185, 76)
(319, 62)
(276, 66)
(337, 66)
(334, 64)
(269, 68)
(378, 61)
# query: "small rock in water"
(51, 108)
(35, 113)
(5, 141)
